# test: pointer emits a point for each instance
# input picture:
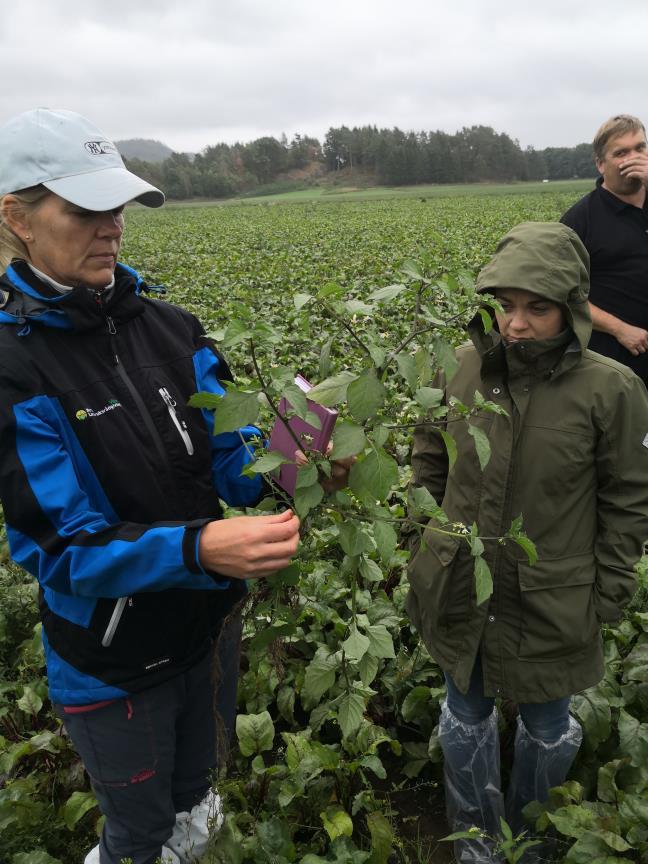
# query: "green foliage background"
(336, 756)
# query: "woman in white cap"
(110, 486)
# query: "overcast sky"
(195, 72)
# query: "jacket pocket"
(557, 607)
(441, 596)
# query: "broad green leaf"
(368, 669)
(633, 809)
(375, 765)
(275, 840)
(386, 540)
(573, 820)
(235, 333)
(424, 365)
(476, 545)
(636, 663)
(389, 292)
(77, 805)
(268, 462)
(606, 787)
(354, 539)
(306, 475)
(370, 571)
(421, 503)
(381, 837)
(205, 400)
(308, 497)
(358, 307)
(349, 439)
(487, 320)
(528, 546)
(412, 269)
(482, 445)
(429, 397)
(374, 475)
(300, 300)
(337, 822)
(236, 409)
(324, 368)
(355, 645)
(332, 390)
(593, 710)
(381, 642)
(30, 702)
(350, 711)
(255, 733)
(366, 395)
(286, 703)
(380, 434)
(483, 581)
(417, 704)
(633, 738)
(408, 369)
(331, 289)
(377, 353)
(451, 447)
(297, 399)
(319, 677)
(446, 357)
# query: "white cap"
(72, 158)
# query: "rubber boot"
(537, 767)
(192, 830)
(472, 782)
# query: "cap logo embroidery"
(100, 148)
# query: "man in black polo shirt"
(612, 222)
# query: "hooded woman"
(568, 454)
(110, 486)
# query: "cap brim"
(105, 189)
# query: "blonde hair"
(621, 124)
(26, 201)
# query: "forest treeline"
(384, 156)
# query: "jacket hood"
(549, 259)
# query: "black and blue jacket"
(107, 477)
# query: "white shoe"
(167, 856)
(192, 830)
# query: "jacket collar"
(29, 300)
(535, 358)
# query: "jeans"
(546, 721)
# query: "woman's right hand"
(249, 547)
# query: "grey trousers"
(154, 754)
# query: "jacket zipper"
(120, 604)
(115, 618)
(180, 425)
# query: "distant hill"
(144, 148)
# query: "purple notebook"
(312, 438)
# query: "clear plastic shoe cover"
(472, 782)
(537, 767)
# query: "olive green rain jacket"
(570, 456)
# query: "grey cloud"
(197, 72)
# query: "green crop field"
(336, 757)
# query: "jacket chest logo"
(88, 413)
